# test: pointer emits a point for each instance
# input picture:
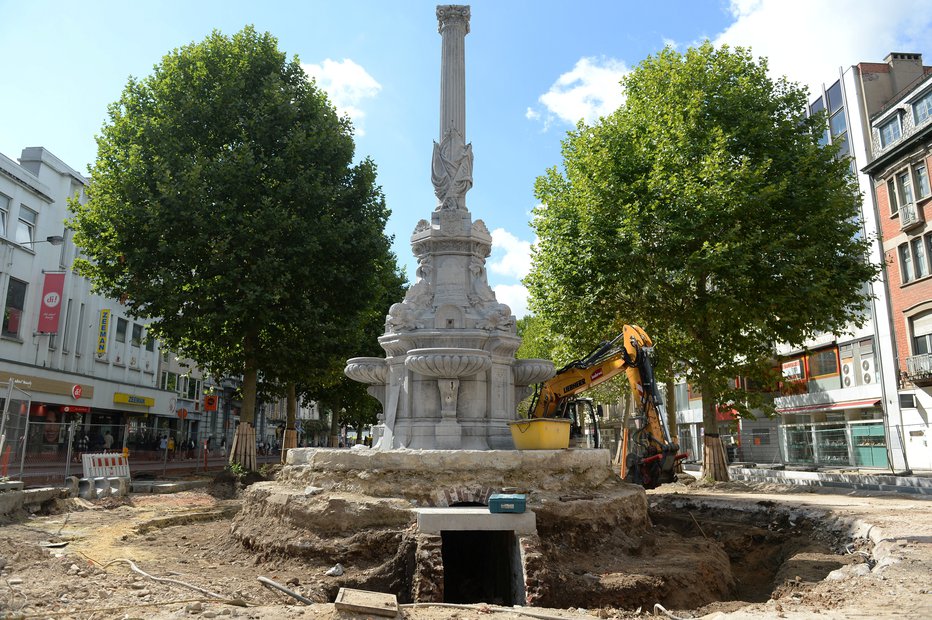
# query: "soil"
(726, 550)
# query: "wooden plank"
(366, 602)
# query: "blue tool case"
(501, 502)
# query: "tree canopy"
(706, 210)
(225, 206)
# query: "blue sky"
(532, 70)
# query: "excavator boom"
(649, 456)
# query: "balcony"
(919, 369)
(910, 217)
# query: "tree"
(225, 206)
(351, 401)
(705, 209)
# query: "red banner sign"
(51, 303)
(75, 409)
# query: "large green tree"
(226, 207)
(706, 210)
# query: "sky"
(533, 70)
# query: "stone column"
(453, 25)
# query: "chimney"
(905, 68)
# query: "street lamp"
(53, 239)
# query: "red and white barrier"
(106, 465)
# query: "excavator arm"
(649, 456)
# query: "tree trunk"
(243, 450)
(714, 461)
(290, 440)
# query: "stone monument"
(450, 379)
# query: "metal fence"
(43, 449)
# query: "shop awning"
(869, 403)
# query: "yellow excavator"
(649, 456)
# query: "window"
(890, 132)
(26, 229)
(915, 258)
(906, 264)
(194, 388)
(904, 186)
(921, 327)
(891, 197)
(922, 108)
(121, 330)
(834, 97)
(79, 343)
(760, 436)
(150, 342)
(816, 107)
(4, 212)
(13, 311)
(823, 363)
(169, 381)
(681, 395)
(922, 180)
(69, 328)
(838, 123)
(919, 257)
(137, 334)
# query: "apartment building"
(901, 141)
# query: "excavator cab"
(584, 423)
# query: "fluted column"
(453, 25)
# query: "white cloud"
(810, 41)
(347, 84)
(515, 295)
(511, 260)
(532, 114)
(590, 90)
(516, 258)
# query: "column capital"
(452, 14)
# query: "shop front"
(840, 434)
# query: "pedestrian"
(171, 447)
(108, 441)
(223, 446)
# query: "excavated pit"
(589, 541)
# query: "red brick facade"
(907, 299)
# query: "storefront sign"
(75, 409)
(51, 303)
(76, 391)
(210, 403)
(103, 333)
(793, 371)
(47, 386)
(132, 399)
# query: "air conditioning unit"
(867, 371)
(847, 373)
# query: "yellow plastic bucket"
(541, 433)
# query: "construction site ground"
(793, 553)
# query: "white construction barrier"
(107, 465)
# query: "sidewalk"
(916, 483)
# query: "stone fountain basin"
(531, 371)
(448, 363)
(371, 370)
